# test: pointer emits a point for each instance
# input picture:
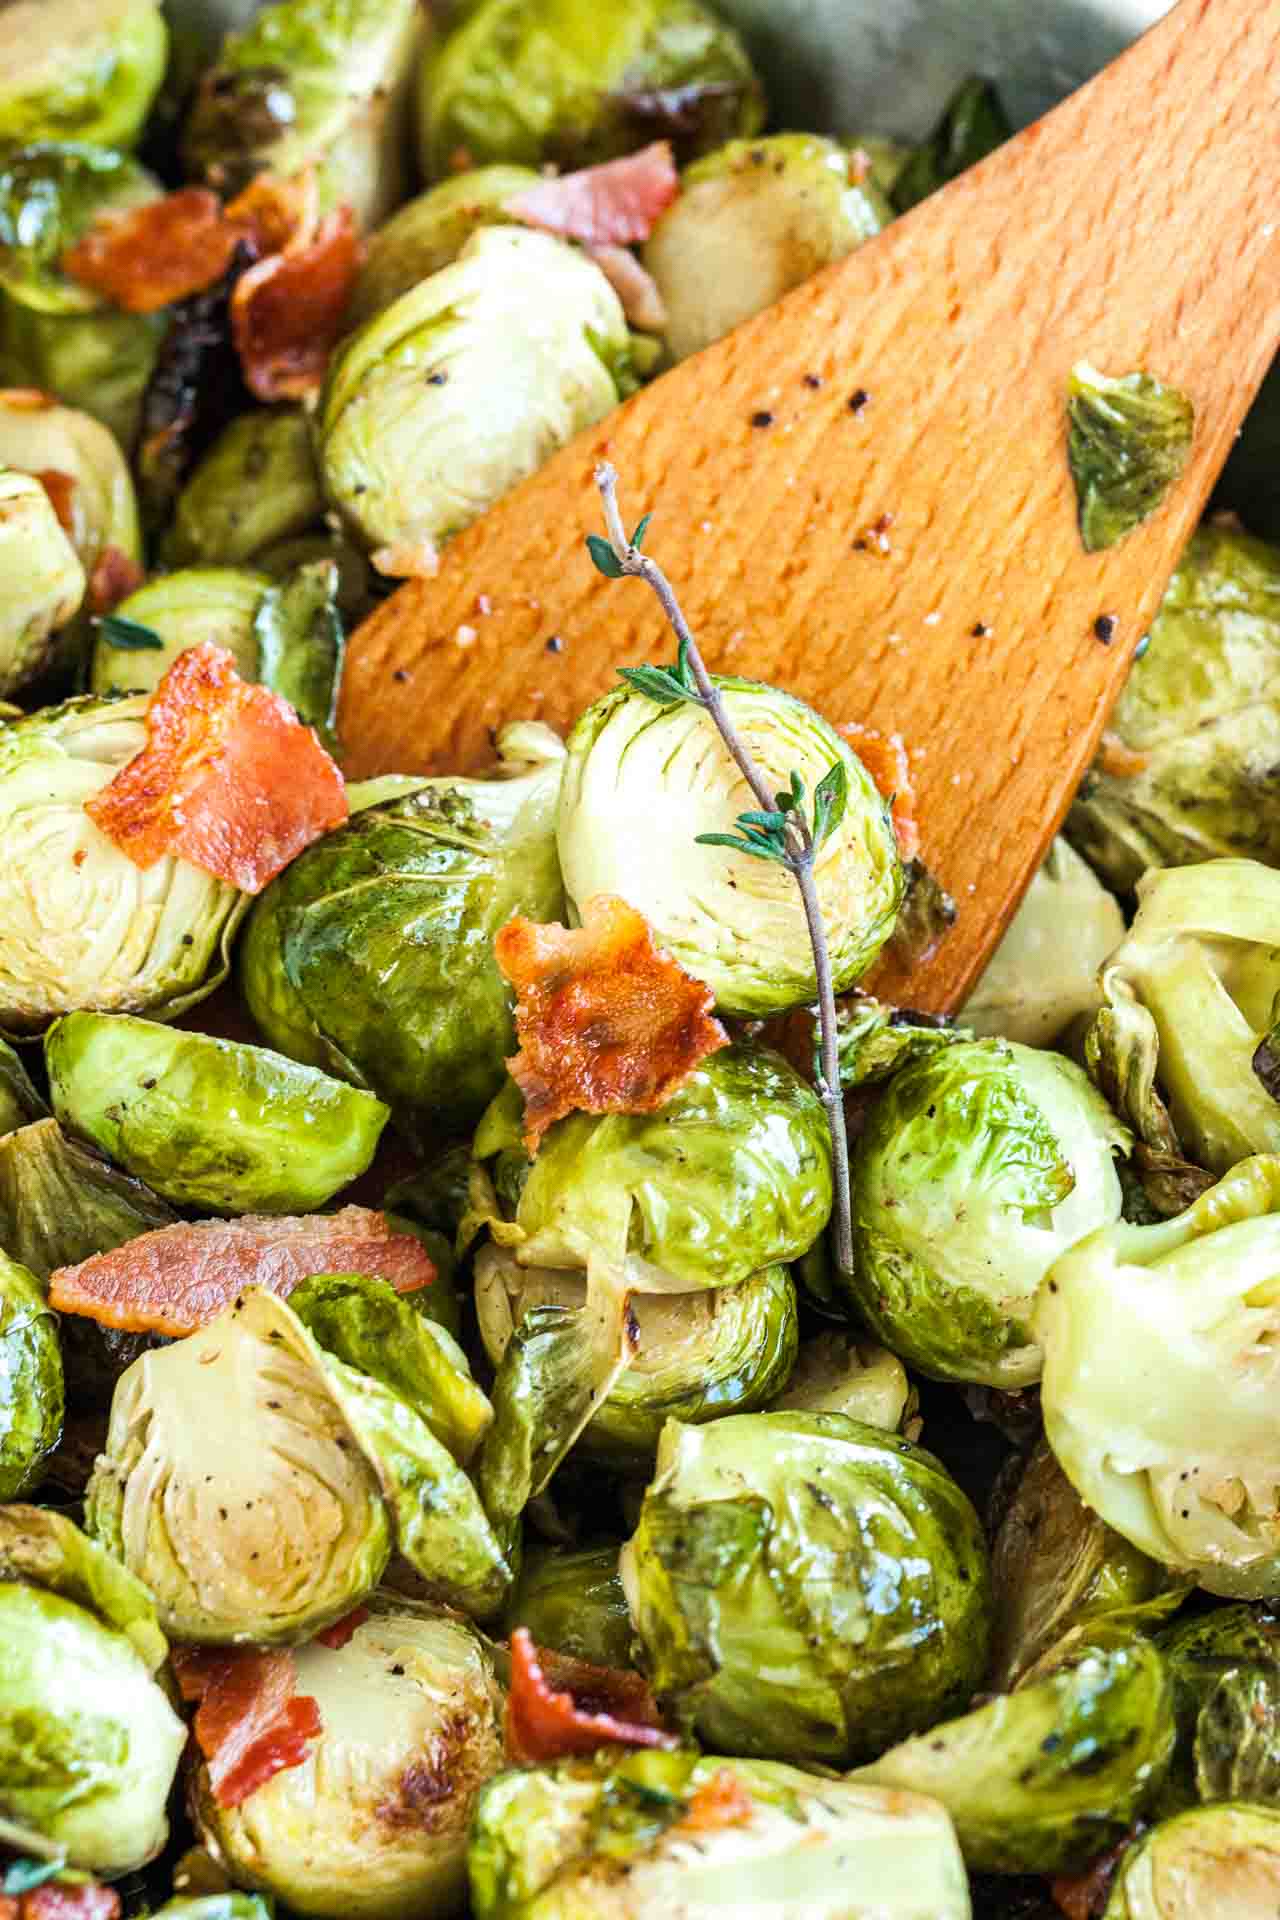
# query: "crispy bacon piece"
(230, 779)
(722, 1801)
(635, 287)
(155, 254)
(251, 1722)
(615, 204)
(607, 1022)
(558, 1706)
(179, 1278)
(1083, 1896)
(61, 489)
(341, 1631)
(1120, 761)
(273, 213)
(115, 576)
(27, 399)
(61, 1900)
(286, 312)
(884, 755)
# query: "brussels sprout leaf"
(973, 125)
(1127, 444)
(129, 635)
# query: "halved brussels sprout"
(836, 1373)
(698, 1355)
(367, 1324)
(805, 1587)
(375, 1818)
(209, 1123)
(60, 1204)
(438, 406)
(753, 220)
(1189, 995)
(50, 195)
(571, 81)
(1222, 1860)
(30, 1379)
(1044, 973)
(980, 1165)
(89, 1744)
(79, 69)
(311, 83)
(232, 1485)
(1225, 1669)
(1158, 1381)
(1042, 1779)
(98, 362)
(430, 231)
(641, 781)
(572, 1599)
(372, 954)
(181, 610)
(1200, 715)
(80, 924)
(1056, 1565)
(1237, 1752)
(635, 1837)
(42, 582)
(256, 486)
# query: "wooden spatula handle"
(863, 494)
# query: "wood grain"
(1135, 226)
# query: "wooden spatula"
(863, 494)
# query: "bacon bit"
(27, 399)
(152, 255)
(273, 214)
(722, 1801)
(642, 304)
(8, 1907)
(342, 1630)
(113, 579)
(412, 559)
(884, 755)
(69, 1900)
(1120, 761)
(179, 1278)
(230, 779)
(615, 204)
(1083, 1896)
(607, 1022)
(546, 1723)
(61, 489)
(251, 1723)
(286, 313)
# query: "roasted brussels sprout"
(137, 646)
(1222, 1860)
(1042, 1779)
(89, 1744)
(1189, 996)
(1237, 1750)
(979, 1165)
(805, 1587)
(1055, 1565)
(411, 1718)
(1225, 1670)
(50, 195)
(371, 955)
(698, 1355)
(79, 69)
(753, 220)
(371, 1327)
(98, 362)
(290, 1532)
(467, 383)
(429, 232)
(641, 780)
(973, 124)
(1140, 1328)
(1200, 719)
(42, 582)
(572, 1599)
(835, 1373)
(1127, 442)
(1044, 973)
(637, 1834)
(311, 83)
(256, 486)
(80, 925)
(30, 1379)
(209, 1123)
(527, 81)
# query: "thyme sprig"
(780, 828)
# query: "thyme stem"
(800, 850)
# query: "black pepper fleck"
(1105, 627)
(813, 380)
(762, 419)
(436, 379)
(555, 644)
(980, 630)
(858, 399)
(400, 674)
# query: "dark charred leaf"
(236, 111)
(693, 118)
(1169, 1182)
(926, 916)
